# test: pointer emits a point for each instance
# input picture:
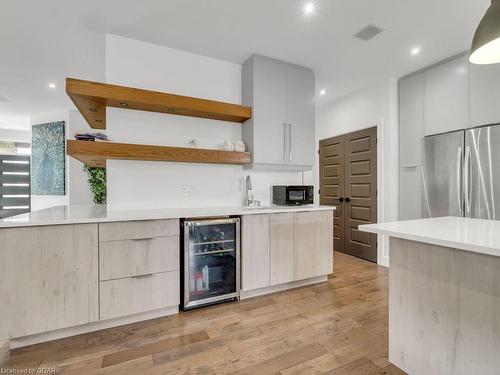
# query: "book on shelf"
(91, 136)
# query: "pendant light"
(486, 43)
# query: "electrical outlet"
(188, 189)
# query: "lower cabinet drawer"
(138, 294)
(125, 258)
(126, 230)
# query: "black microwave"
(293, 195)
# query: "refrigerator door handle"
(459, 180)
(467, 181)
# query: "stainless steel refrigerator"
(461, 174)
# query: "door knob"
(348, 200)
(341, 199)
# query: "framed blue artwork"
(48, 159)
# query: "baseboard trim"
(244, 294)
(90, 327)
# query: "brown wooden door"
(332, 171)
(348, 179)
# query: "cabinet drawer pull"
(284, 143)
(142, 276)
(290, 143)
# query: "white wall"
(14, 135)
(375, 105)
(136, 184)
(39, 202)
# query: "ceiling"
(45, 41)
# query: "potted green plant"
(97, 182)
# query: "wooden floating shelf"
(95, 154)
(92, 98)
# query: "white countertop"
(475, 235)
(99, 214)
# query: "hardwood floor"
(337, 327)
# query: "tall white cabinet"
(411, 120)
(281, 132)
(431, 101)
(484, 94)
(447, 96)
(411, 135)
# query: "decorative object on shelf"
(239, 146)
(228, 146)
(486, 43)
(193, 143)
(95, 154)
(92, 98)
(48, 160)
(97, 182)
(91, 136)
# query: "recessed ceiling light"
(415, 51)
(322, 92)
(52, 85)
(309, 8)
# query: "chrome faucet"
(248, 187)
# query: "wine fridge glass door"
(211, 261)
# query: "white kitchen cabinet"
(280, 133)
(447, 97)
(125, 258)
(264, 89)
(48, 278)
(484, 94)
(411, 120)
(282, 249)
(300, 115)
(285, 247)
(132, 295)
(410, 198)
(137, 230)
(138, 267)
(313, 244)
(254, 251)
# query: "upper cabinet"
(264, 85)
(300, 115)
(281, 131)
(411, 120)
(484, 94)
(447, 97)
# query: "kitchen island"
(444, 295)
(67, 270)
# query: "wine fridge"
(211, 261)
